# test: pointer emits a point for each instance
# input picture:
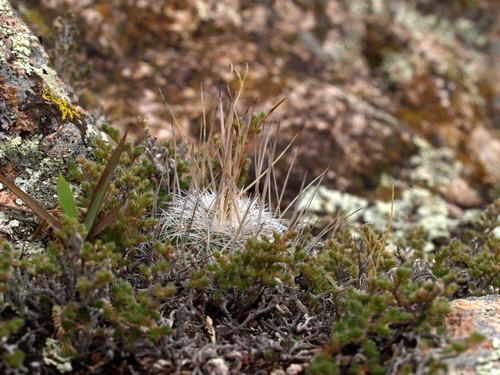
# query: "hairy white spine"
(198, 220)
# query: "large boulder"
(42, 128)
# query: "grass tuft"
(222, 209)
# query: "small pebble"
(294, 369)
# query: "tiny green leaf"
(15, 358)
(66, 198)
(102, 184)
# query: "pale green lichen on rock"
(21, 52)
(52, 355)
(21, 47)
(5, 8)
(434, 166)
(39, 171)
(417, 208)
(19, 227)
(7, 225)
(406, 15)
(38, 176)
(488, 365)
(398, 67)
(19, 150)
(419, 205)
(332, 201)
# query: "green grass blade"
(104, 222)
(102, 184)
(66, 198)
(36, 207)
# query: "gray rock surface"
(42, 128)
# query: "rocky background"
(396, 92)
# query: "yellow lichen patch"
(62, 104)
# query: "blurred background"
(386, 92)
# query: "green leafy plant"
(81, 290)
(392, 313)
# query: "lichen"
(19, 227)
(434, 167)
(110, 292)
(7, 225)
(22, 152)
(21, 47)
(5, 8)
(25, 52)
(398, 67)
(37, 176)
(7, 118)
(417, 208)
(406, 15)
(67, 111)
(48, 126)
(22, 83)
(52, 355)
(332, 201)
(489, 364)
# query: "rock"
(294, 369)
(42, 128)
(217, 366)
(482, 315)
(413, 208)
(460, 192)
(486, 150)
(339, 132)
